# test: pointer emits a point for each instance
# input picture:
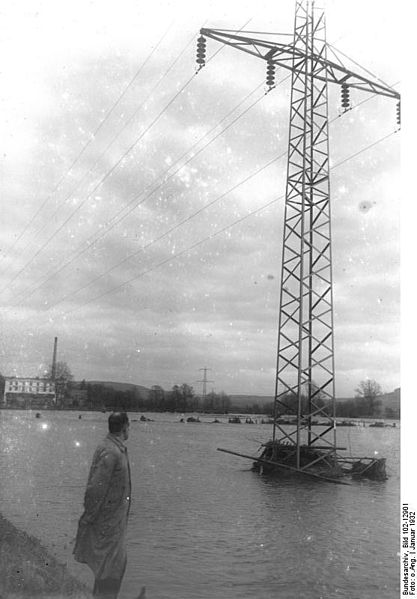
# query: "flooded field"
(202, 525)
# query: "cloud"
(188, 278)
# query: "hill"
(390, 400)
(143, 391)
(248, 400)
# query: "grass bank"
(27, 569)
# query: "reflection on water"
(202, 525)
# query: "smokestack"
(53, 369)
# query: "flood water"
(202, 525)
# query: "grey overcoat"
(101, 535)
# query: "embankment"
(27, 569)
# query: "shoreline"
(27, 569)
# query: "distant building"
(23, 392)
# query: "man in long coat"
(101, 535)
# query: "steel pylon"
(305, 371)
(305, 357)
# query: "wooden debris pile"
(280, 458)
(318, 461)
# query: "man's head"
(119, 424)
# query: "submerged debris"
(281, 459)
(374, 469)
(322, 463)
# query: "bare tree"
(63, 379)
(369, 390)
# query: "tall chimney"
(53, 369)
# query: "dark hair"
(117, 420)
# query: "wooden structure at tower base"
(326, 465)
(280, 460)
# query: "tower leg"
(305, 357)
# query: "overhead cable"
(218, 232)
(92, 138)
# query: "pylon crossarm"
(286, 56)
(257, 47)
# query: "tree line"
(182, 398)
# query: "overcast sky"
(125, 181)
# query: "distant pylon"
(205, 381)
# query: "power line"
(114, 221)
(174, 228)
(170, 231)
(26, 294)
(92, 138)
(218, 232)
(108, 173)
(90, 170)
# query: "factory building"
(23, 392)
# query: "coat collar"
(117, 441)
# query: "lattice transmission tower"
(305, 372)
(205, 381)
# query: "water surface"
(202, 525)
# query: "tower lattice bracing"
(305, 373)
(305, 363)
